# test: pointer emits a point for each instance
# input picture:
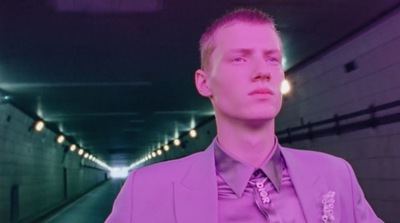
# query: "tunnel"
(92, 91)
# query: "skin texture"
(243, 84)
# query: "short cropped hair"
(207, 42)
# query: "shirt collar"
(237, 174)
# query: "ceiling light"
(159, 152)
(177, 142)
(39, 125)
(285, 87)
(193, 133)
(86, 155)
(153, 154)
(72, 147)
(166, 148)
(60, 139)
(80, 152)
(90, 156)
(107, 7)
(149, 156)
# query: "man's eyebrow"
(249, 51)
(241, 50)
(272, 51)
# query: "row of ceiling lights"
(60, 139)
(158, 152)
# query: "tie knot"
(258, 174)
(258, 178)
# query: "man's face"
(246, 72)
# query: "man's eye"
(273, 59)
(238, 59)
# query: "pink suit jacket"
(185, 190)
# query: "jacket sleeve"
(362, 210)
(122, 208)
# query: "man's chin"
(262, 115)
(259, 121)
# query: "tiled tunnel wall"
(355, 89)
(36, 173)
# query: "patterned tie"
(261, 196)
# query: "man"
(244, 175)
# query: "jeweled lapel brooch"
(328, 202)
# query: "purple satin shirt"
(239, 198)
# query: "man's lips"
(262, 91)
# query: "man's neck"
(250, 143)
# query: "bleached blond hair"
(207, 43)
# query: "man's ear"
(200, 78)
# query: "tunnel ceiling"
(116, 77)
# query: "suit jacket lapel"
(196, 196)
(308, 185)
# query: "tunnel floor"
(93, 207)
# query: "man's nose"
(261, 72)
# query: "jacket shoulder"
(317, 161)
(312, 155)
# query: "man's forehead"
(241, 25)
(244, 35)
